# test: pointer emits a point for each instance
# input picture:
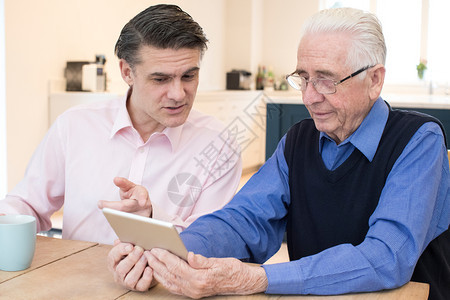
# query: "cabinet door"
(243, 114)
(60, 102)
(280, 117)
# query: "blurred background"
(38, 38)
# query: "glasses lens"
(294, 82)
(325, 86)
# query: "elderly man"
(186, 160)
(362, 190)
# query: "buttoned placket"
(139, 160)
(138, 163)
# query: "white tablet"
(145, 232)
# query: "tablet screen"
(145, 232)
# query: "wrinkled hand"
(201, 277)
(129, 267)
(134, 198)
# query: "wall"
(282, 26)
(241, 31)
(2, 103)
(265, 32)
(42, 35)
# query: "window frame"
(417, 86)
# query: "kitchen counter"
(435, 101)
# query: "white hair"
(368, 45)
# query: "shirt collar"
(368, 135)
(123, 120)
(173, 134)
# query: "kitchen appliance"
(86, 75)
(73, 74)
(94, 75)
(238, 80)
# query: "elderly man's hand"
(202, 277)
(134, 198)
(129, 267)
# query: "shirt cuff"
(193, 244)
(283, 278)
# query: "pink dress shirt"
(189, 170)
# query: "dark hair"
(162, 26)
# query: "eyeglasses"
(322, 85)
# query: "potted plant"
(421, 67)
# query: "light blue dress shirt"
(413, 209)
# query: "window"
(413, 32)
(3, 179)
(402, 38)
(438, 50)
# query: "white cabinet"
(244, 115)
(60, 102)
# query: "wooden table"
(64, 269)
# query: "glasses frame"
(315, 80)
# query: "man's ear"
(126, 71)
(376, 74)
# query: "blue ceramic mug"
(17, 242)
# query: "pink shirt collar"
(123, 122)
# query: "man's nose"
(310, 95)
(176, 90)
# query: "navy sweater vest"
(329, 208)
